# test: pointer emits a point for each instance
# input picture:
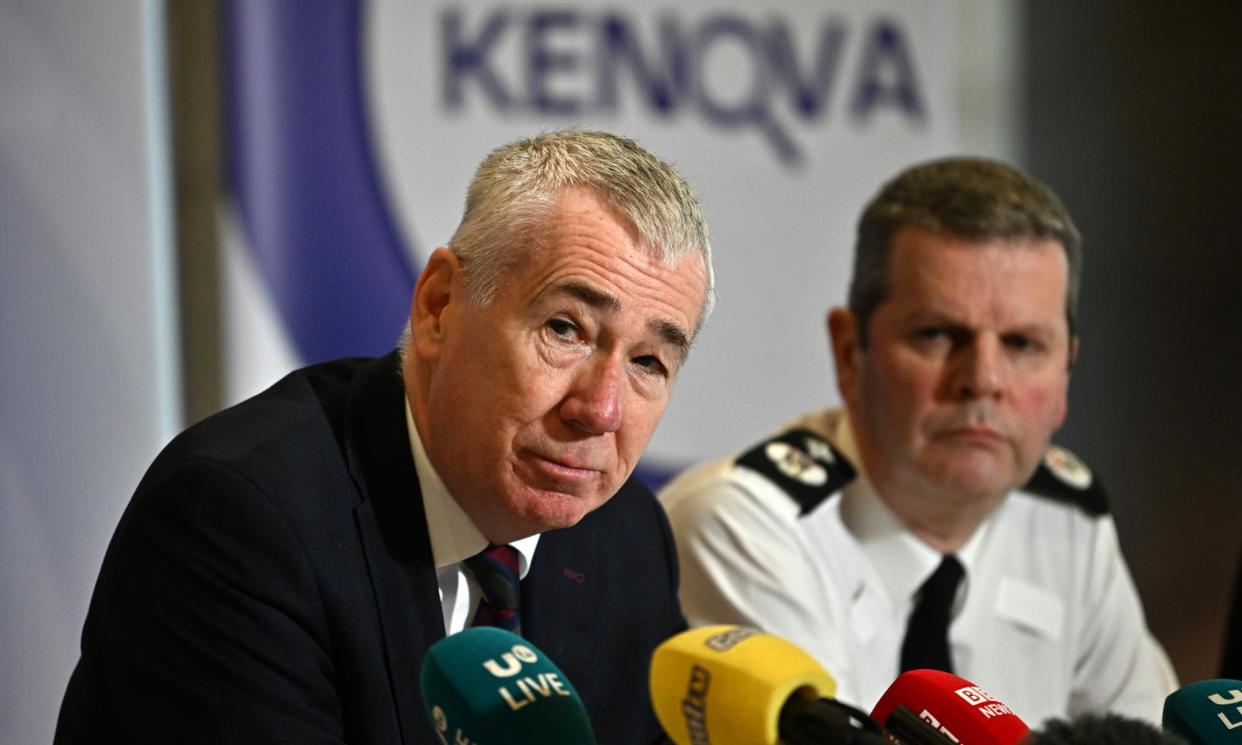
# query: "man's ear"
(437, 289)
(844, 335)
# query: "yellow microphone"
(729, 685)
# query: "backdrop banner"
(354, 128)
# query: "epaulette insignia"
(806, 466)
(1063, 477)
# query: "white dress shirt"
(454, 538)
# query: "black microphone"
(829, 721)
(911, 729)
(1101, 729)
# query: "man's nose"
(594, 401)
(980, 369)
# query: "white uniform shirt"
(1046, 618)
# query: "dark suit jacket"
(272, 581)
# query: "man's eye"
(563, 328)
(649, 363)
(1020, 343)
(930, 333)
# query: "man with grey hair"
(930, 523)
(284, 565)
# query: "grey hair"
(970, 198)
(516, 188)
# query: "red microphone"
(958, 709)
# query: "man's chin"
(552, 510)
(973, 483)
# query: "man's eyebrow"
(947, 321)
(671, 333)
(590, 295)
(674, 336)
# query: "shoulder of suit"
(1063, 477)
(802, 464)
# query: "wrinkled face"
(535, 408)
(964, 377)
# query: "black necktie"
(927, 631)
(496, 571)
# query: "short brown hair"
(971, 198)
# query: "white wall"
(88, 389)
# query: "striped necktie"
(927, 632)
(496, 571)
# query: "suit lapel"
(560, 596)
(393, 530)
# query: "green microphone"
(1206, 713)
(487, 686)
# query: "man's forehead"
(919, 256)
(592, 254)
(1021, 281)
(913, 237)
(592, 296)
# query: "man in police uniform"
(930, 523)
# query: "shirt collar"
(454, 536)
(901, 559)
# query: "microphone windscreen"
(728, 684)
(956, 707)
(1105, 728)
(1206, 713)
(487, 686)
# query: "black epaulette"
(1062, 477)
(803, 464)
